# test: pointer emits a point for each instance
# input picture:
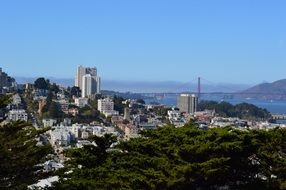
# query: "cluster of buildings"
(130, 125)
(188, 109)
(60, 98)
(136, 118)
(88, 81)
(64, 136)
(16, 110)
(176, 118)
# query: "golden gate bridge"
(197, 87)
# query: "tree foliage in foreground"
(182, 158)
(19, 154)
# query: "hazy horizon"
(149, 86)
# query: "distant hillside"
(268, 91)
(147, 86)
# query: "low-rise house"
(64, 105)
(225, 122)
(40, 94)
(61, 95)
(85, 134)
(17, 99)
(43, 184)
(131, 131)
(15, 115)
(52, 165)
(61, 136)
(175, 118)
(49, 122)
(147, 126)
(82, 143)
(81, 102)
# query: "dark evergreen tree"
(243, 110)
(42, 83)
(182, 158)
(75, 91)
(20, 153)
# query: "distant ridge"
(268, 91)
(147, 86)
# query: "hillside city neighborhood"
(74, 114)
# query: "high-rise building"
(98, 85)
(88, 81)
(81, 71)
(188, 103)
(89, 85)
(91, 71)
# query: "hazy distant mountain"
(270, 91)
(147, 87)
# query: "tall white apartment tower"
(81, 71)
(88, 81)
(98, 85)
(86, 86)
(92, 71)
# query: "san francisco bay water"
(273, 106)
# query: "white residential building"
(81, 71)
(106, 106)
(61, 136)
(101, 131)
(17, 99)
(49, 122)
(175, 118)
(85, 135)
(174, 115)
(15, 115)
(131, 131)
(88, 85)
(82, 143)
(43, 184)
(81, 102)
(76, 130)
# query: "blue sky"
(146, 40)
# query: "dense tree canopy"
(54, 88)
(54, 110)
(87, 114)
(118, 105)
(243, 110)
(4, 101)
(75, 91)
(19, 154)
(140, 101)
(42, 83)
(182, 158)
